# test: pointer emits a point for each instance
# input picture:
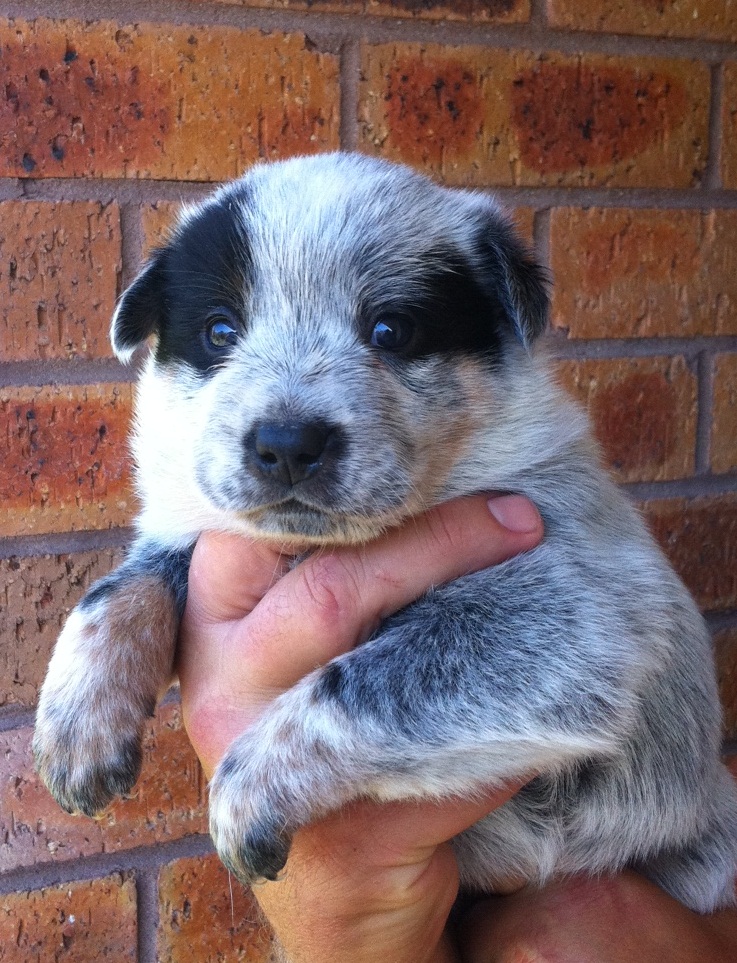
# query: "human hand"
(371, 880)
(619, 919)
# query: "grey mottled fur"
(584, 660)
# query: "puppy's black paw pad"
(259, 855)
(88, 786)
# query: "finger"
(330, 602)
(229, 574)
(406, 832)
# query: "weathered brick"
(705, 19)
(643, 273)
(156, 221)
(167, 803)
(65, 464)
(477, 116)
(206, 917)
(495, 11)
(724, 422)
(729, 126)
(85, 922)
(700, 537)
(644, 413)
(725, 646)
(59, 272)
(36, 596)
(183, 103)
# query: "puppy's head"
(328, 334)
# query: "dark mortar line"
(712, 171)
(701, 486)
(704, 411)
(719, 621)
(147, 914)
(64, 543)
(350, 69)
(541, 237)
(132, 243)
(16, 717)
(37, 374)
(375, 29)
(142, 192)
(96, 865)
(564, 349)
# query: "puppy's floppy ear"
(140, 308)
(512, 273)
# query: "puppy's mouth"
(313, 525)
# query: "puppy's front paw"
(248, 826)
(87, 741)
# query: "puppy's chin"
(306, 527)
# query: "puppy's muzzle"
(291, 452)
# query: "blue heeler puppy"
(339, 344)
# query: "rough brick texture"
(86, 922)
(724, 425)
(156, 222)
(36, 596)
(644, 413)
(59, 273)
(207, 917)
(477, 116)
(729, 125)
(700, 537)
(167, 802)
(66, 463)
(496, 11)
(643, 273)
(705, 19)
(185, 103)
(725, 643)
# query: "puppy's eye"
(220, 331)
(392, 334)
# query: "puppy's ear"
(140, 309)
(513, 275)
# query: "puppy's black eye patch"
(448, 311)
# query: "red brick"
(731, 763)
(183, 103)
(724, 423)
(729, 126)
(59, 273)
(477, 116)
(643, 273)
(156, 222)
(495, 11)
(37, 595)
(700, 537)
(725, 644)
(167, 803)
(705, 19)
(83, 922)
(644, 413)
(65, 464)
(207, 917)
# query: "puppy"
(339, 344)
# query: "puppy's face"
(327, 333)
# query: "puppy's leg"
(446, 700)
(111, 662)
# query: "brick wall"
(610, 128)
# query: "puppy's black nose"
(290, 452)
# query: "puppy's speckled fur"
(583, 660)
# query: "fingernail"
(515, 513)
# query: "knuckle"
(332, 591)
